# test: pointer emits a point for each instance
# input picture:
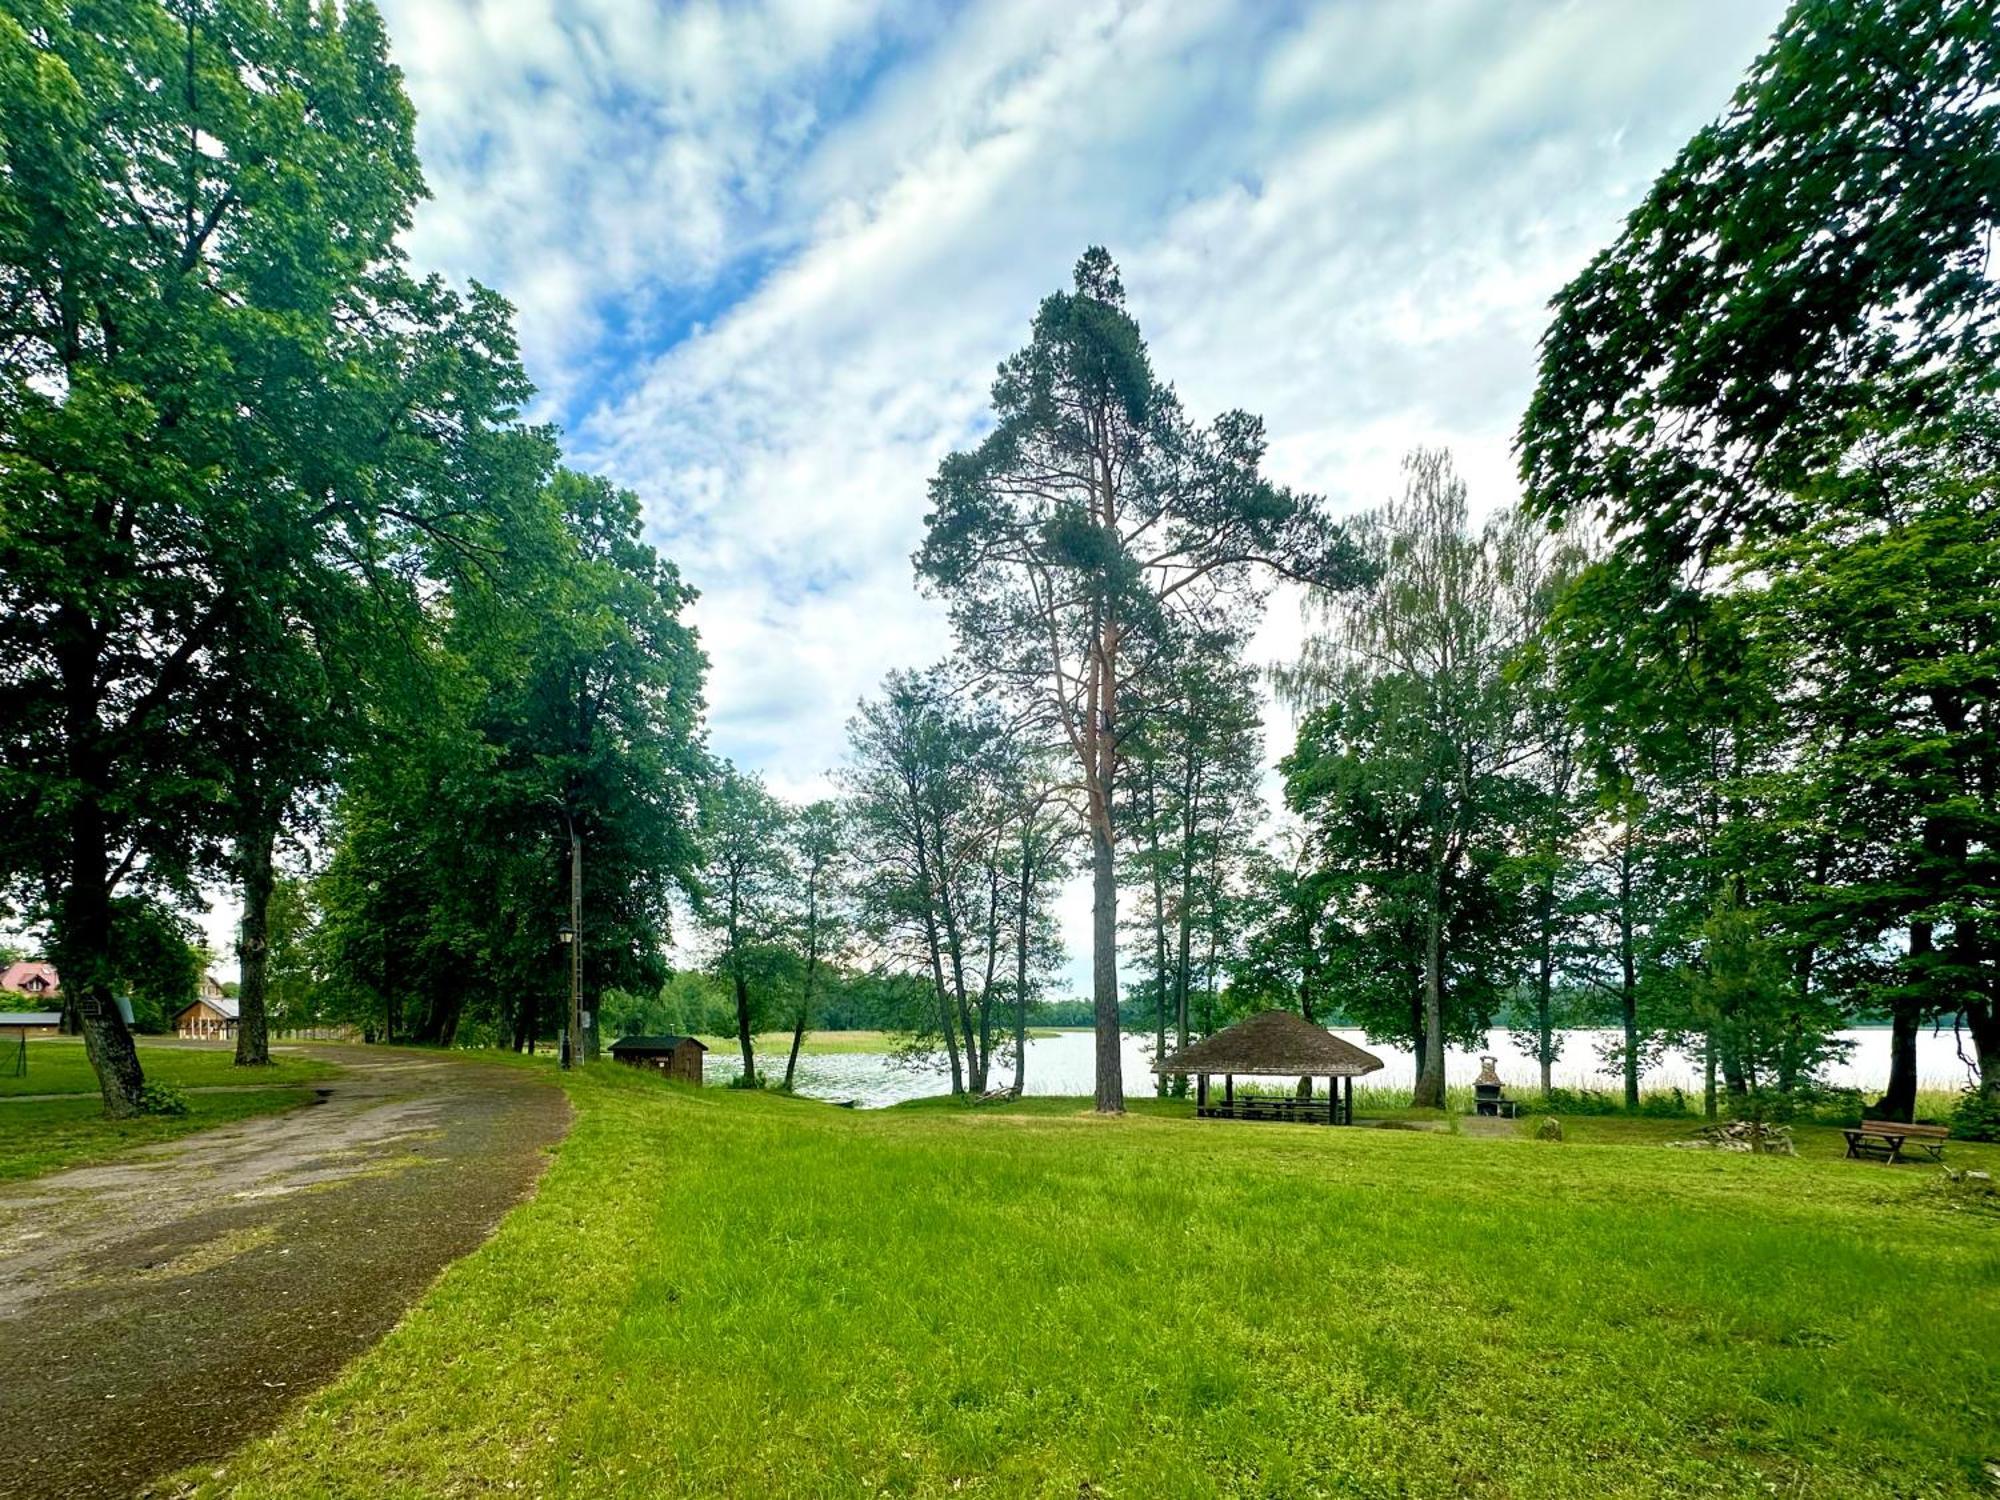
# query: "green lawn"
(57, 1065)
(45, 1135)
(724, 1293)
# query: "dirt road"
(160, 1310)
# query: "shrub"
(1562, 1101)
(162, 1099)
(1977, 1117)
(1672, 1105)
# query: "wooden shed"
(1274, 1044)
(676, 1056)
(209, 1019)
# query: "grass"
(727, 1293)
(46, 1135)
(57, 1065)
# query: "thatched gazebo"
(1275, 1044)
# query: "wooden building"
(676, 1056)
(1274, 1044)
(212, 1018)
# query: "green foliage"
(162, 1099)
(1814, 261)
(562, 693)
(1408, 770)
(1562, 1101)
(1976, 1117)
(1776, 388)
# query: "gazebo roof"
(1276, 1043)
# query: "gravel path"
(161, 1309)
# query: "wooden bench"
(1884, 1140)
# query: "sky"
(766, 257)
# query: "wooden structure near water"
(676, 1056)
(1274, 1044)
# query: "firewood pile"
(1742, 1135)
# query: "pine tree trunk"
(1708, 1101)
(1159, 934)
(253, 858)
(1104, 972)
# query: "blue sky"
(766, 256)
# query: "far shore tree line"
(1697, 741)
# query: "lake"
(1064, 1064)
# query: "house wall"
(201, 1023)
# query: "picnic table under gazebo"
(1274, 1044)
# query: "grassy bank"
(46, 1135)
(725, 1293)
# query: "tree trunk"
(255, 843)
(1628, 970)
(1708, 1102)
(1104, 971)
(806, 997)
(1982, 1019)
(82, 929)
(1545, 970)
(1899, 1102)
(743, 1026)
(1021, 961)
(1159, 931)
(587, 1034)
(932, 941)
(1430, 1079)
(985, 1059)
(83, 957)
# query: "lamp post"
(570, 1039)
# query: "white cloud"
(1347, 219)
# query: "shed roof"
(656, 1043)
(222, 1005)
(1276, 1043)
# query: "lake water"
(1064, 1064)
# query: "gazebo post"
(1332, 1100)
(1229, 1094)
(1200, 1095)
